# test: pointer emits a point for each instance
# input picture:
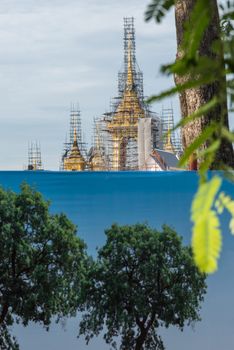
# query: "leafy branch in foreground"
(203, 74)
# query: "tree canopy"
(142, 279)
(42, 262)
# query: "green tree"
(142, 280)
(41, 263)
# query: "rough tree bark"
(192, 99)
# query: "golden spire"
(75, 149)
(75, 160)
(130, 79)
(129, 108)
(169, 146)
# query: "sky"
(96, 200)
(58, 52)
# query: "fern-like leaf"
(204, 198)
(206, 239)
(158, 9)
(207, 242)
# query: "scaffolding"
(120, 125)
(126, 135)
(74, 135)
(97, 156)
(169, 132)
(34, 156)
(129, 40)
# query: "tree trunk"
(4, 313)
(141, 339)
(192, 99)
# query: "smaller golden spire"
(75, 160)
(75, 149)
(169, 146)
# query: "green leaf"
(158, 9)
(205, 166)
(203, 110)
(206, 235)
(207, 242)
(227, 134)
(204, 198)
(208, 156)
(210, 150)
(199, 141)
(180, 88)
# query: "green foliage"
(200, 70)
(204, 136)
(41, 262)
(158, 9)
(197, 70)
(206, 208)
(206, 241)
(143, 279)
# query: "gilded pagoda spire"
(129, 108)
(75, 160)
(123, 124)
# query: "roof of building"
(169, 158)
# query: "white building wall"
(144, 142)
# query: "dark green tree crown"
(41, 261)
(143, 279)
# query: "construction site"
(130, 136)
(34, 156)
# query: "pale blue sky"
(58, 51)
